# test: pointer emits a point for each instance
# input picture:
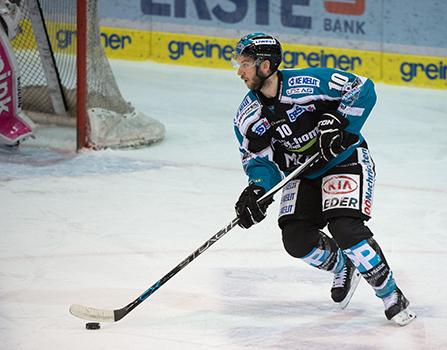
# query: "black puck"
(92, 325)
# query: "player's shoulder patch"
(300, 90)
(299, 82)
(249, 106)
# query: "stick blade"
(92, 314)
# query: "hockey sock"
(326, 255)
(368, 258)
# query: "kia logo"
(339, 185)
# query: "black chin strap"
(263, 79)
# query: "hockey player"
(14, 125)
(287, 116)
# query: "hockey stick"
(102, 315)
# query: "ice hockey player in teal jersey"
(285, 118)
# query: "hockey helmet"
(261, 47)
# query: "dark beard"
(257, 83)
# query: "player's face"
(246, 69)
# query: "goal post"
(81, 71)
(66, 77)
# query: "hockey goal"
(70, 81)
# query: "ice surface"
(99, 228)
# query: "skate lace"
(340, 278)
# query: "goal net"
(66, 77)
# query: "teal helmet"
(261, 47)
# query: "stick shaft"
(146, 294)
(98, 315)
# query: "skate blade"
(354, 283)
(404, 317)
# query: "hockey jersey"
(278, 134)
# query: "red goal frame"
(81, 71)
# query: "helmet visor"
(243, 61)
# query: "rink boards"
(215, 52)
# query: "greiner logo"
(320, 59)
(65, 38)
(410, 70)
(177, 49)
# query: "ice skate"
(396, 308)
(344, 284)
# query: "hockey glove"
(248, 210)
(331, 135)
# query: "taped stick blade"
(92, 314)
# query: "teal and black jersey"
(278, 134)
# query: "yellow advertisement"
(192, 50)
(414, 70)
(213, 52)
(126, 44)
(364, 63)
(117, 42)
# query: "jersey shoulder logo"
(300, 90)
(245, 102)
(247, 108)
(303, 80)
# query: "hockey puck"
(92, 325)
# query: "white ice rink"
(99, 228)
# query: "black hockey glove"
(331, 135)
(248, 210)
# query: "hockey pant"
(14, 126)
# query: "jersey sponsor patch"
(288, 198)
(294, 159)
(245, 102)
(341, 191)
(300, 90)
(244, 112)
(368, 179)
(295, 112)
(302, 142)
(260, 127)
(354, 111)
(304, 81)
